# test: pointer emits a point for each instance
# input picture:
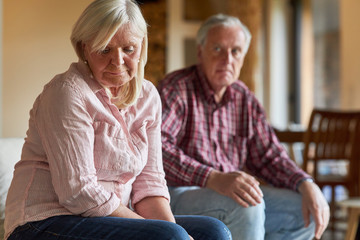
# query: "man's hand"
(240, 186)
(314, 203)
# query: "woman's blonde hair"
(98, 24)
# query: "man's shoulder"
(240, 86)
(242, 93)
(178, 79)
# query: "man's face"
(222, 56)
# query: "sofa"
(10, 151)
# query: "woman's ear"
(81, 49)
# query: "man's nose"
(228, 57)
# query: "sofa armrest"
(10, 152)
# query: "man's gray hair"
(222, 20)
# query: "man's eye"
(217, 49)
(236, 52)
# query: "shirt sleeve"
(67, 135)
(267, 157)
(180, 168)
(151, 181)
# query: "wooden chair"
(332, 138)
(290, 138)
(353, 205)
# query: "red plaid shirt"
(200, 135)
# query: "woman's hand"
(125, 212)
(155, 208)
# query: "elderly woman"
(91, 166)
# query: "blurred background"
(304, 53)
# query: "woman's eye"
(105, 51)
(129, 49)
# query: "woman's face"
(117, 64)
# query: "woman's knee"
(216, 229)
(203, 227)
(169, 230)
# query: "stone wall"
(250, 13)
(155, 14)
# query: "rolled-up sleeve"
(269, 160)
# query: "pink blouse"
(84, 156)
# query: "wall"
(155, 67)
(1, 64)
(36, 46)
(277, 63)
(350, 54)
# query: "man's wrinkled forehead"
(217, 31)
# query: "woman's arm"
(64, 120)
(155, 208)
(124, 212)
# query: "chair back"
(333, 137)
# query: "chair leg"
(332, 208)
(353, 223)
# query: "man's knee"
(247, 223)
(253, 215)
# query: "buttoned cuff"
(303, 180)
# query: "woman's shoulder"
(66, 86)
(72, 79)
(148, 89)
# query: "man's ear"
(199, 53)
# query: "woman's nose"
(118, 58)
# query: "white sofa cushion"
(10, 152)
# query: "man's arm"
(315, 204)
(267, 158)
(279, 170)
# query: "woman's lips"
(116, 73)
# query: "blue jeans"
(278, 217)
(106, 228)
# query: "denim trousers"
(114, 228)
(278, 217)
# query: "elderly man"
(217, 143)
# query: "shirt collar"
(88, 76)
